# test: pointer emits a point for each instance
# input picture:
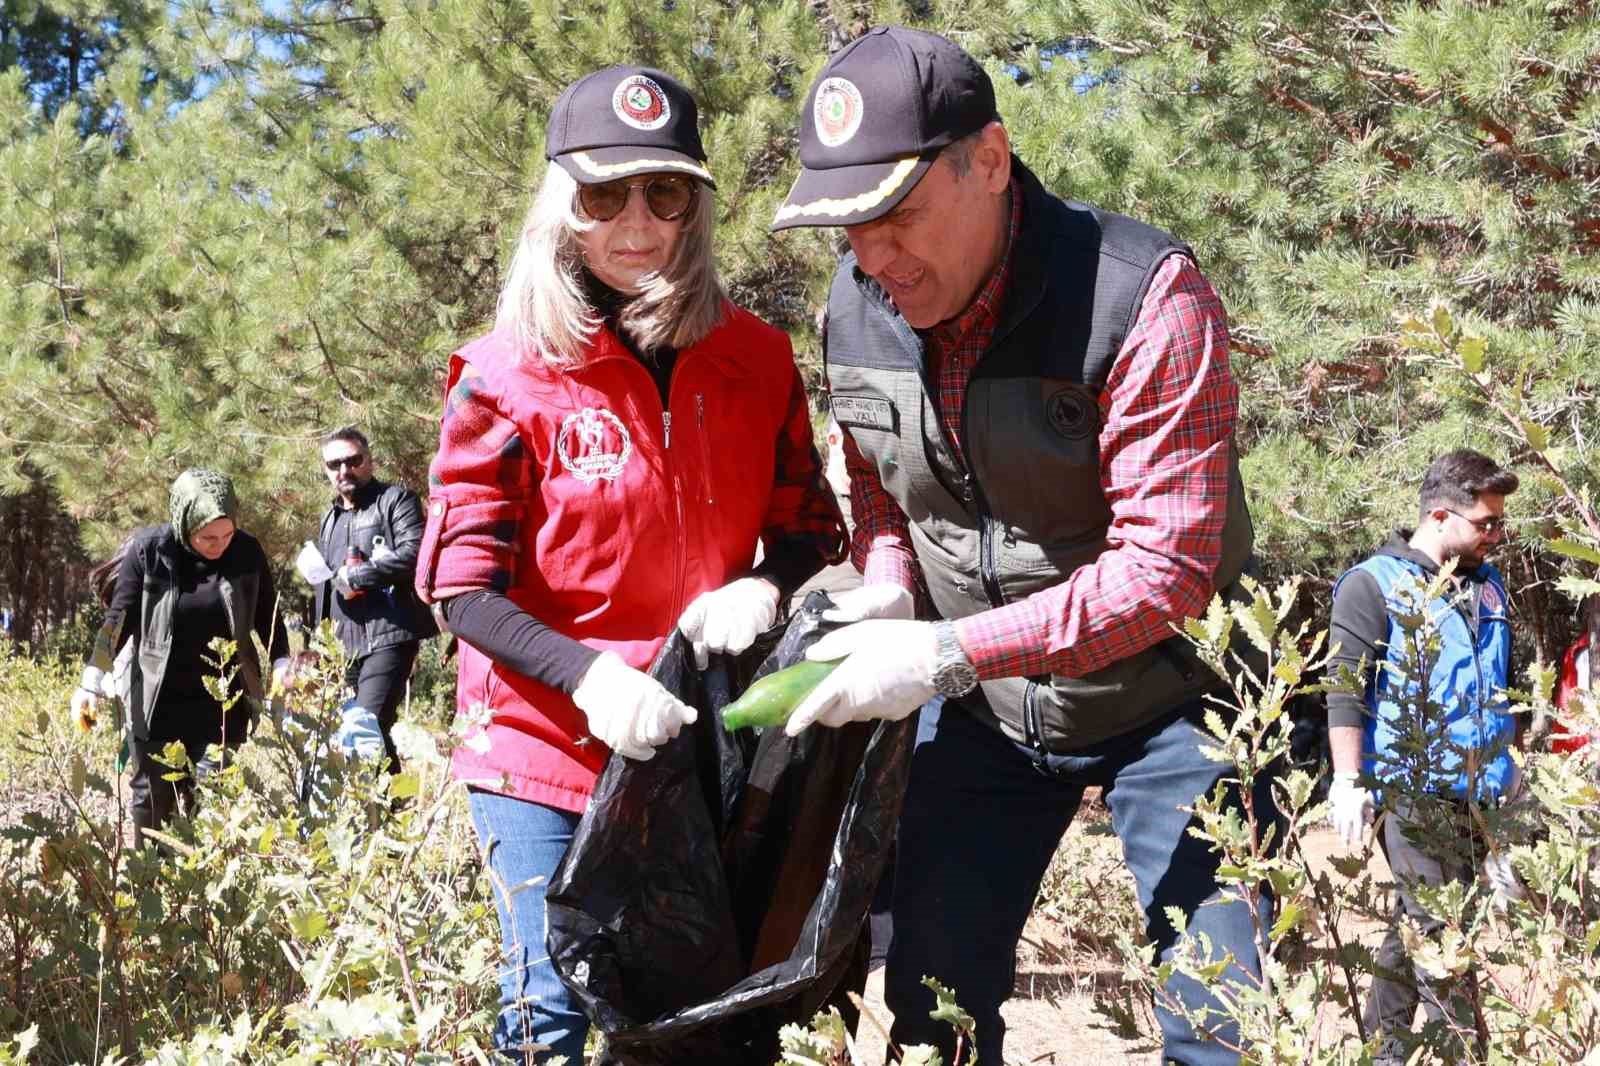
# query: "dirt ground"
(1051, 1018)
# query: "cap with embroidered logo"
(877, 117)
(626, 120)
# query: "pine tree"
(1338, 166)
(313, 205)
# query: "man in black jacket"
(369, 538)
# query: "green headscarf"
(200, 496)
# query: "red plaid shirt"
(1167, 415)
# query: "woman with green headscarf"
(180, 586)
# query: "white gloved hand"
(882, 600)
(887, 673)
(85, 708)
(729, 619)
(629, 711)
(1352, 808)
(85, 702)
(311, 565)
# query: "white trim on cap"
(850, 205)
(593, 166)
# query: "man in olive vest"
(1039, 418)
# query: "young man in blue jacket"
(1465, 756)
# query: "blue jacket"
(1466, 683)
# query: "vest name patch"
(867, 412)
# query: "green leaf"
(308, 924)
(1259, 622)
(405, 786)
(1439, 318)
(1215, 725)
(1349, 866)
(1289, 917)
(1574, 549)
(1471, 350)
(1538, 436)
(945, 1007)
(1415, 332)
(77, 775)
(1578, 587)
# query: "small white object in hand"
(311, 565)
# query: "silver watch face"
(956, 678)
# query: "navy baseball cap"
(877, 117)
(626, 120)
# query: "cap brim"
(845, 196)
(592, 165)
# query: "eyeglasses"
(352, 461)
(668, 197)
(1492, 524)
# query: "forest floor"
(1051, 1018)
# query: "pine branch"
(1507, 143)
(327, 358)
(128, 416)
(1294, 103)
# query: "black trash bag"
(719, 891)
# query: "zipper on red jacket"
(677, 486)
(677, 505)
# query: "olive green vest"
(1028, 509)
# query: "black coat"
(144, 609)
(389, 612)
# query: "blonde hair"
(543, 304)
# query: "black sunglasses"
(352, 461)
(1492, 524)
(668, 197)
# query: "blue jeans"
(980, 824)
(522, 844)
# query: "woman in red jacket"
(610, 456)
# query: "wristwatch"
(953, 673)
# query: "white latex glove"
(887, 673)
(85, 702)
(85, 708)
(883, 600)
(729, 619)
(311, 565)
(629, 711)
(1352, 808)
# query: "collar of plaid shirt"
(955, 346)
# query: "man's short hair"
(958, 153)
(1458, 478)
(350, 434)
